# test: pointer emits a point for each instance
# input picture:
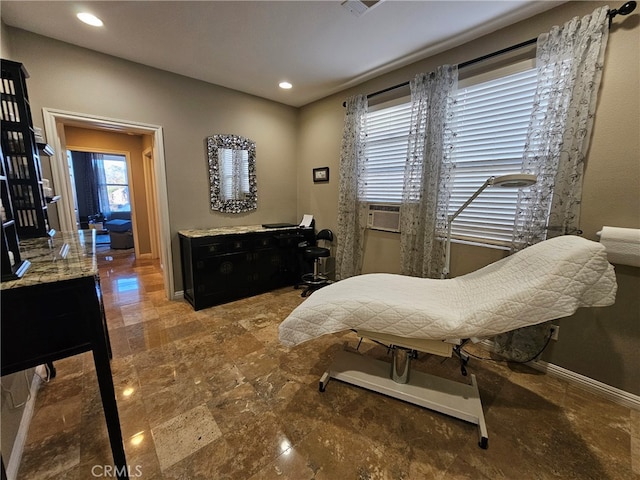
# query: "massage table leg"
(459, 400)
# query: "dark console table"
(224, 264)
(55, 311)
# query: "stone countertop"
(210, 232)
(66, 256)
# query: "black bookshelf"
(22, 160)
(13, 267)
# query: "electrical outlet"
(555, 330)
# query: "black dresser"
(224, 264)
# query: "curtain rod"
(625, 9)
(468, 63)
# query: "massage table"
(543, 282)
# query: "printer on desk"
(306, 222)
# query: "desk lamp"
(518, 180)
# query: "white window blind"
(386, 153)
(491, 121)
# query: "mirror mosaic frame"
(232, 142)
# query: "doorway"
(90, 148)
(55, 122)
(102, 192)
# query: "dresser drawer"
(220, 245)
(264, 241)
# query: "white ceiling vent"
(360, 7)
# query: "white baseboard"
(613, 394)
(21, 437)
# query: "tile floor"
(212, 395)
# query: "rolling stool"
(314, 280)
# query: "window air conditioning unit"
(360, 7)
(384, 217)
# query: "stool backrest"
(325, 234)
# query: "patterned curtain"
(570, 61)
(427, 186)
(352, 212)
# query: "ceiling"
(250, 46)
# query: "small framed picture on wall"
(321, 174)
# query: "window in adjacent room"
(116, 185)
(100, 184)
(491, 121)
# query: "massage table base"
(459, 400)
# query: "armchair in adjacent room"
(120, 230)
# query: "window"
(115, 183)
(491, 123)
(386, 152)
(492, 115)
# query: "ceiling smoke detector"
(360, 7)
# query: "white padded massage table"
(546, 281)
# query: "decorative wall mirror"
(232, 173)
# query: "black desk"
(55, 311)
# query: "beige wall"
(88, 139)
(603, 344)
(5, 41)
(74, 79)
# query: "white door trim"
(152, 207)
(62, 182)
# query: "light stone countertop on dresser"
(210, 232)
(49, 263)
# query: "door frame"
(55, 120)
(152, 207)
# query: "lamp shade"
(516, 180)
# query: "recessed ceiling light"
(285, 85)
(90, 19)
